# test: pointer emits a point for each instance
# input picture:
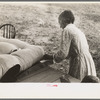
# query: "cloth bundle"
(14, 51)
(7, 48)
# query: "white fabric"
(16, 42)
(6, 62)
(26, 56)
(7, 48)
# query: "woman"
(74, 46)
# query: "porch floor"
(40, 73)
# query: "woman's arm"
(64, 48)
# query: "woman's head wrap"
(67, 16)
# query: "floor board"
(39, 73)
(43, 73)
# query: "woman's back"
(79, 41)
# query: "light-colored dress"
(75, 47)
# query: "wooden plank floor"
(73, 80)
(40, 73)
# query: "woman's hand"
(47, 57)
(59, 56)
